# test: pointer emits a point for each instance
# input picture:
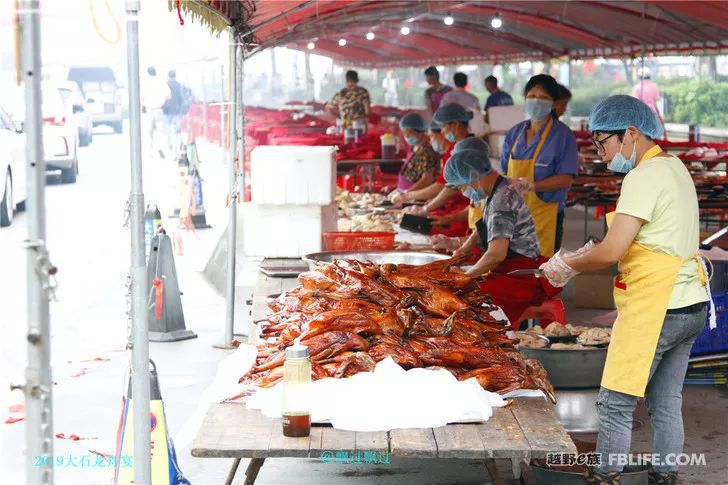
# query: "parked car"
(13, 187)
(103, 99)
(73, 97)
(60, 132)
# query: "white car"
(60, 132)
(103, 100)
(73, 97)
(13, 187)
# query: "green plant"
(698, 102)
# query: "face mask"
(538, 109)
(437, 146)
(623, 165)
(450, 136)
(412, 140)
(476, 195)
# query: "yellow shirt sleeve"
(639, 195)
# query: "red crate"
(358, 241)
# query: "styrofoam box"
(495, 140)
(503, 118)
(297, 175)
(286, 231)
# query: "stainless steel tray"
(394, 257)
(571, 369)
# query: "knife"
(535, 272)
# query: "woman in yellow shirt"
(661, 290)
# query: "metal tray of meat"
(570, 369)
(393, 257)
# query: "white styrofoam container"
(297, 175)
(503, 118)
(286, 231)
(495, 140)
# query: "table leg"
(493, 471)
(233, 470)
(251, 473)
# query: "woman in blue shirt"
(541, 153)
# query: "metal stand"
(38, 387)
(138, 270)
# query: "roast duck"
(353, 314)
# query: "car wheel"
(84, 139)
(68, 176)
(118, 128)
(6, 205)
(20, 206)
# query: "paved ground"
(90, 246)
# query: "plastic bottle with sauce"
(297, 392)
(389, 146)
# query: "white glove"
(523, 185)
(441, 242)
(557, 271)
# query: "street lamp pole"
(138, 270)
(41, 280)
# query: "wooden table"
(526, 429)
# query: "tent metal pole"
(233, 205)
(138, 270)
(38, 383)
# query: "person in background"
(172, 110)
(541, 153)
(390, 84)
(351, 103)
(434, 94)
(460, 95)
(562, 102)
(155, 94)
(660, 293)
(506, 232)
(421, 167)
(647, 91)
(496, 97)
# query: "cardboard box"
(595, 289)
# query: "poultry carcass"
(507, 378)
(344, 320)
(465, 356)
(391, 346)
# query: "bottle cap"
(297, 351)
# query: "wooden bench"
(526, 429)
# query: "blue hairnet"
(435, 126)
(620, 111)
(466, 166)
(472, 143)
(414, 121)
(453, 112)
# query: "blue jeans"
(663, 397)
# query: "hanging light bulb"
(342, 42)
(448, 19)
(496, 21)
(370, 35)
(311, 46)
(404, 30)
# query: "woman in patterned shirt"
(423, 164)
(351, 103)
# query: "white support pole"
(38, 383)
(138, 270)
(233, 186)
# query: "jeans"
(663, 397)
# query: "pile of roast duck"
(352, 314)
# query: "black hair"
(564, 92)
(492, 79)
(547, 83)
(152, 71)
(432, 71)
(460, 79)
(352, 76)
(172, 73)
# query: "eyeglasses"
(600, 143)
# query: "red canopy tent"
(531, 29)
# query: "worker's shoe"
(661, 478)
(594, 477)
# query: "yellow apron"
(642, 292)
(544, 213)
